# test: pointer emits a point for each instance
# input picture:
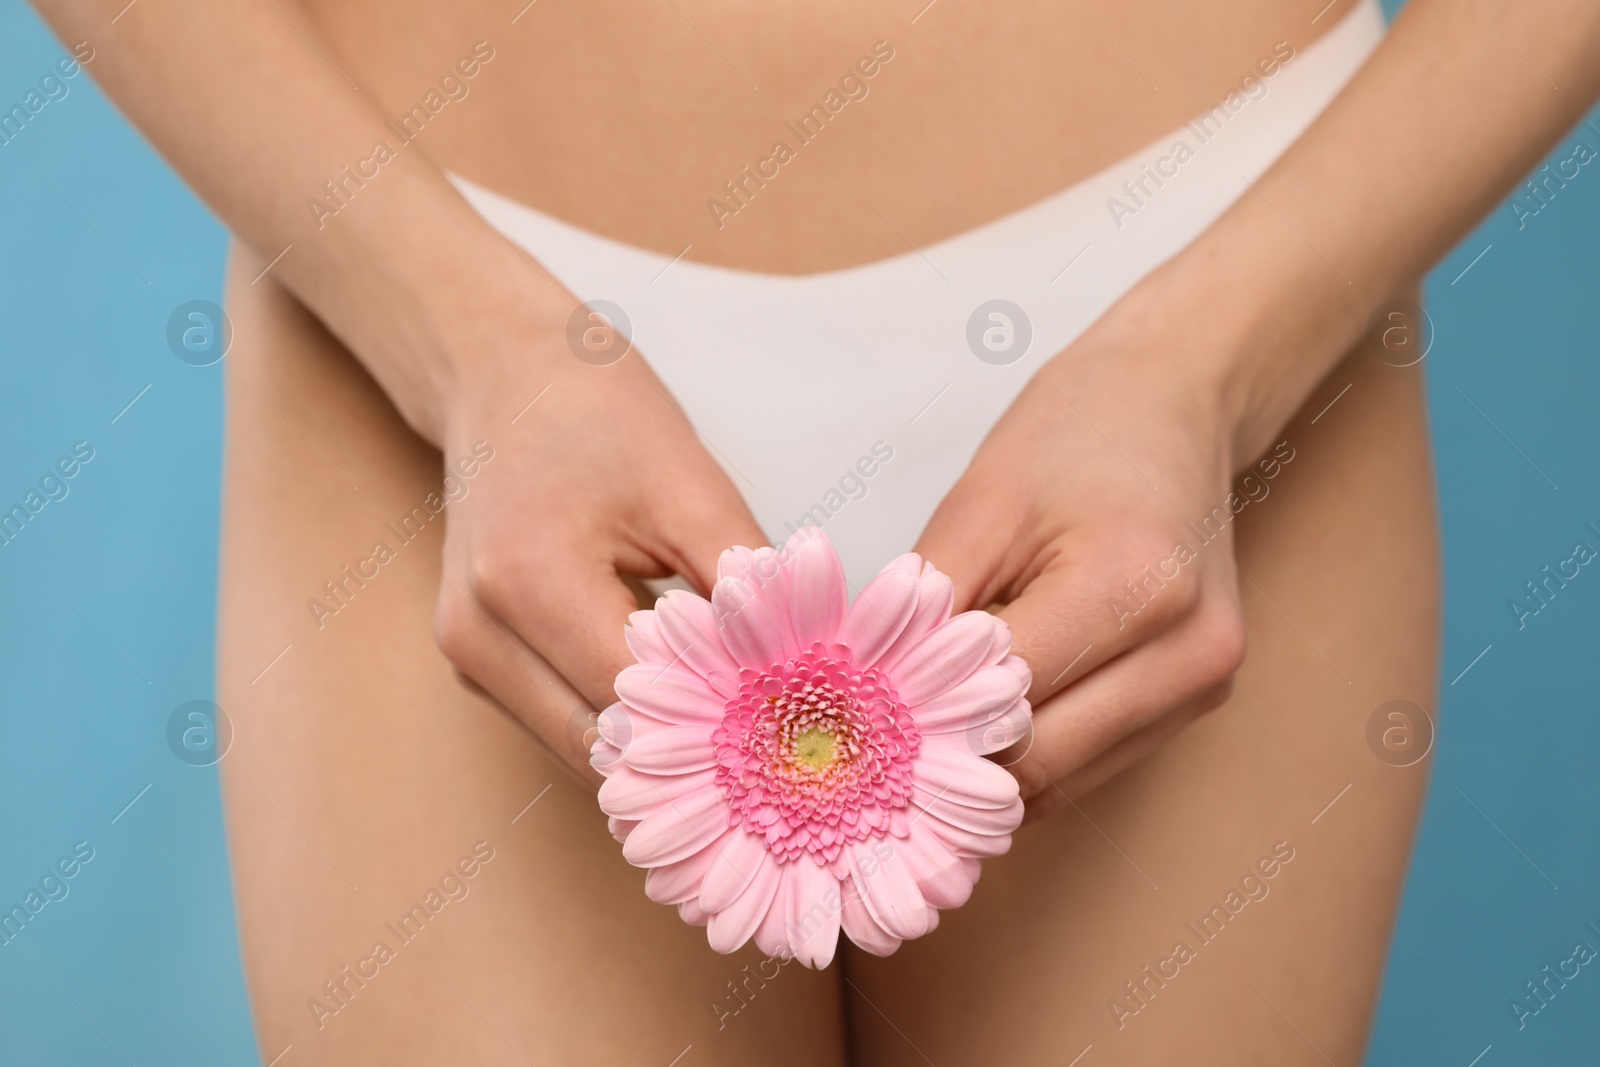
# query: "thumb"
(969, 538)
(702, 525)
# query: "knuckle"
(496, 569)
(1189, 590)
(1153, 602)
(1223, 647)
(1180, 597)
(486, 569)
(451, 629)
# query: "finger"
(1097, 598)
(960, 540)
(1128, 694)
(580, 774)
(563, 593)
(697, 526)
(494, 662)
(1097, 593)
(1124, 754)
(563, 598)
(703, 514)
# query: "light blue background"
(142, 955)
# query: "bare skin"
(404, 323)
(362, 739)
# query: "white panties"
(853, 399)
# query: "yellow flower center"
(814, 748)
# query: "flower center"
(812, 754)
(814, 748)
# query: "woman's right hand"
(602, 477)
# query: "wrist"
(1253, 318)
(1175, 344)
(493, 328)
(438, 305)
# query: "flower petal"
(692, 913)
(769, 935)
(681, 881)
(605, 757)
(691, 631)
(753, 633)
(886, 885)
(946, 767)
(671, 750)
(678, 830)
(810, 922)
(817, 591)
(945, 879)
(645, 640)
(739, 856)
(615, 725)
(1003, 730)
(862, 929)
(985, 822)
(671, 694)
(764, 574)
(945, 658)
(968, 706)
(632, 794)
(936, 595)
(878, 615)
(730, 928)
(1001, 648)
(942, 820)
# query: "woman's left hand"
(1109, 460)
(1098, 513)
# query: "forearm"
(1428, 137)
(256, 121)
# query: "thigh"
(417, 881)
(1140, 922)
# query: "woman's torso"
(628, 118)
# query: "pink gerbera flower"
(787, 764)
